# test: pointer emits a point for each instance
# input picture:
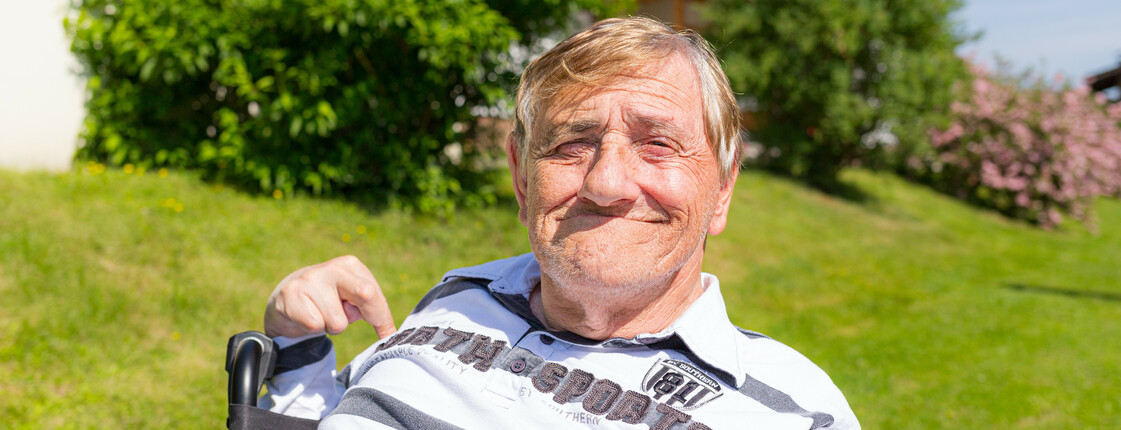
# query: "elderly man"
(624, 155)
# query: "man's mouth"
(613, 212)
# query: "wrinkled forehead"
(660, 94)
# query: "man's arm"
(304, 307)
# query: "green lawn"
(118, 291)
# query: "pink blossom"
(1049, 151)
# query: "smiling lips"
(617, 211)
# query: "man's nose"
(610, 180)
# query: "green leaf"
(265, 83)
(147, 68)
(294, 128)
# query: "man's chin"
(604, 273)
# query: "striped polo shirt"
(472, 355)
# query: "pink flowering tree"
(1030, 151)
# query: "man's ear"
(517, 173)
(723, 203)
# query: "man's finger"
(366, 295)
(294, 314)
(352, 312)
(329, 306)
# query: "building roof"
(1104, 80)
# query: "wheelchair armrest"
(250, 359)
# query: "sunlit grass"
(119, 288)
(929, 313)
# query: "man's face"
(620, 184)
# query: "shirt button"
(517, 366)
(546, 340)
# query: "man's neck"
(599, 318)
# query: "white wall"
(40, 95)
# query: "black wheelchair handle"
(250, 360)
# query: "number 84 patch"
(680, 384)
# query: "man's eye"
(572, 148)
(658, 147)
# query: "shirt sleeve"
(845, 420)
(303, 384)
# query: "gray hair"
(603, 51)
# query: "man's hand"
(327, 297)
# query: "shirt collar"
(514, 275)
(704, 327)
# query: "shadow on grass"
(375, 200)
(968, 197)
(1058, 291)
(375, 204)
(846, 191)
(835, 187)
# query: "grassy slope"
(115, 308)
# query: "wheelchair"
(250, 360)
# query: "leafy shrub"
(1030, 151)
(835, 82)
(327, 96)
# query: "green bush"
(835, 82)
(342, 97)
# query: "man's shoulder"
(469, 299)
(775, 362)
(451, 287)
(785, 376)
(508, 275)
